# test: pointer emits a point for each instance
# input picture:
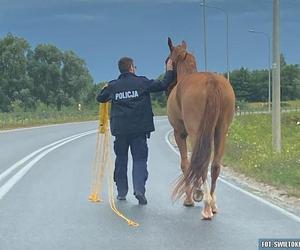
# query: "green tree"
(14, 79)
(159, 98)
(92, 94)
(258, 86)
(45, 69)
(290, 82)
(240, 80)
(77, 81)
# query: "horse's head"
(183, 61)
(173, 84)
(177, 53)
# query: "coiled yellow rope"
(102, 160)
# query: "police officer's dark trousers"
(139, 151)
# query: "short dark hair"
(124, 64)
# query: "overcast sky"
(102, 31)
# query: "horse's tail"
(200, 159)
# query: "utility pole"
(204, 35)
(276, 126)
(227, 45)
(227, 35)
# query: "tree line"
(46, 76)
(253, 85)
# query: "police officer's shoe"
(121, 198)
(141, 198)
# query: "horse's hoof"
(188, 203)
(207, 216)
(214, 209)
(207, 213)
(198, 195)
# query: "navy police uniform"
(131, 122)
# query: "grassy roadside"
(29, 119)
(249, 150)
(157, 110)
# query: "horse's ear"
(171, 47)
(184, 45)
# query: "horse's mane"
(187, 65)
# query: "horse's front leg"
(180, 138)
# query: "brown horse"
(200, 106)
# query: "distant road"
(44, 200)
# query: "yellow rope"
(96, 186)
(102, 160)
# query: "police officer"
(131, 122)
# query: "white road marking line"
(20, 162)
(4, 189)
(279, 209)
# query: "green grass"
(249, 150)
(157, 110)
(28, 119)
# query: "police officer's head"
(126, 65)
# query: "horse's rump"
(203, 98)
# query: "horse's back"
(194, 91)
(196, 85)
(188, 100)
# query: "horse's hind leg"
(207, 212)
(219, 144)
(180, 137)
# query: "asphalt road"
(44, 200)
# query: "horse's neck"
(186, 67)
